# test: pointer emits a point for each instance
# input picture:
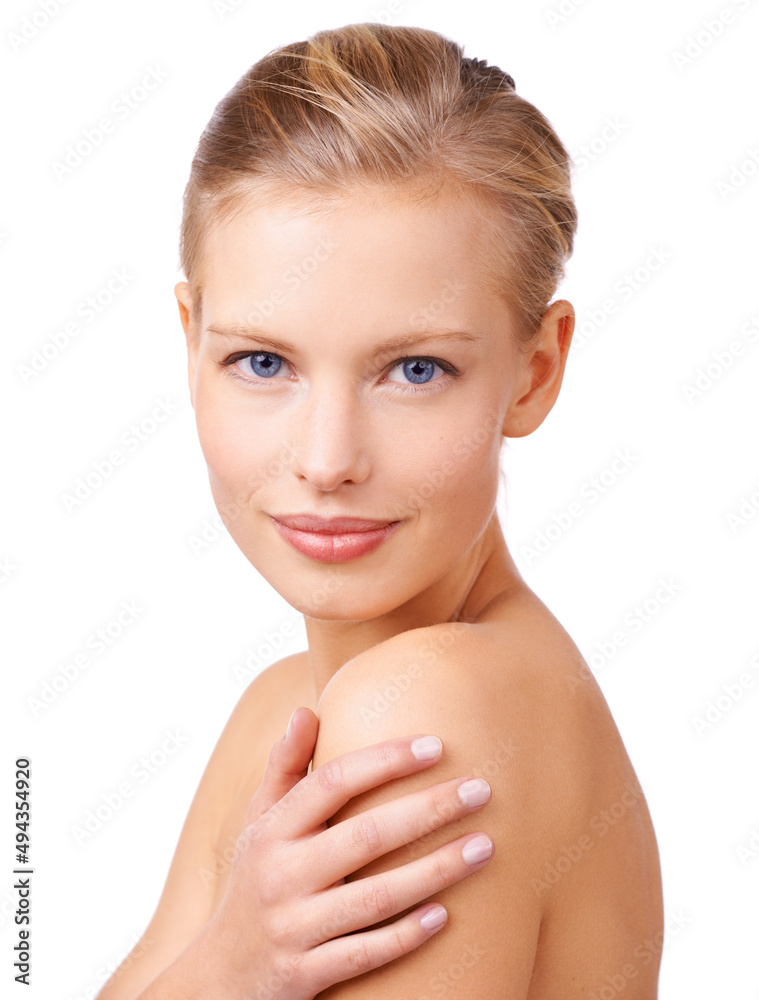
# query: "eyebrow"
(396, 344)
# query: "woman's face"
(304, 406)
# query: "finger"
(346, 957)
(287, 764)
(294, 751)
(359, 904)
(327, 788)
(356, 841)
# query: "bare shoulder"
(511, 697)
(257, 721)
(198, 872)
(513, 701)
(269, 699)
(441, 680)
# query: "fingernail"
(426, 747)
(290, 726)
(474, 792)
(434, 918)
(477, 850)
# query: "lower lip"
(335, 548)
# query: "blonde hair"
(374, 104)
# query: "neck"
(483, 575)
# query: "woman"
(373, 230)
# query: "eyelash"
(448, 368)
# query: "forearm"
(191, 976)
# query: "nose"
(329, 433)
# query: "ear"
(543, 366)
(183, 293)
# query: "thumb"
(288, 762)
(293, 753)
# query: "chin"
(344, 592)
(340, 598)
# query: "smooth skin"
(288, 917)
(435, 631)
(184, 951)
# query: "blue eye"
(264, 363)
(259, 365)
(419, 371)
(411, 369)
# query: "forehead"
(398, 255)
(380, 224)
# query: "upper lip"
(329, 525)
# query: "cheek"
(241, 459)
(453, 471)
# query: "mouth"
(329, 525)
(333, 540)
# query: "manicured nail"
(290, 727)
(477, 850)
(434, 918)
(474, 792)
(426, 747)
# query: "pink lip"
(331, 525)
(333, 539)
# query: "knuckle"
(332, 924)
(387, 756)
(299, 972)
(331, 776)
(366, 834)
(377, 899)
(359, 957)
(270, 887)
(280, 929)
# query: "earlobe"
(543, 372)
(183, 295)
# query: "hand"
(284, 926)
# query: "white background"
(675, 174)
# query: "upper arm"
(187, 901)
(418, 682)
